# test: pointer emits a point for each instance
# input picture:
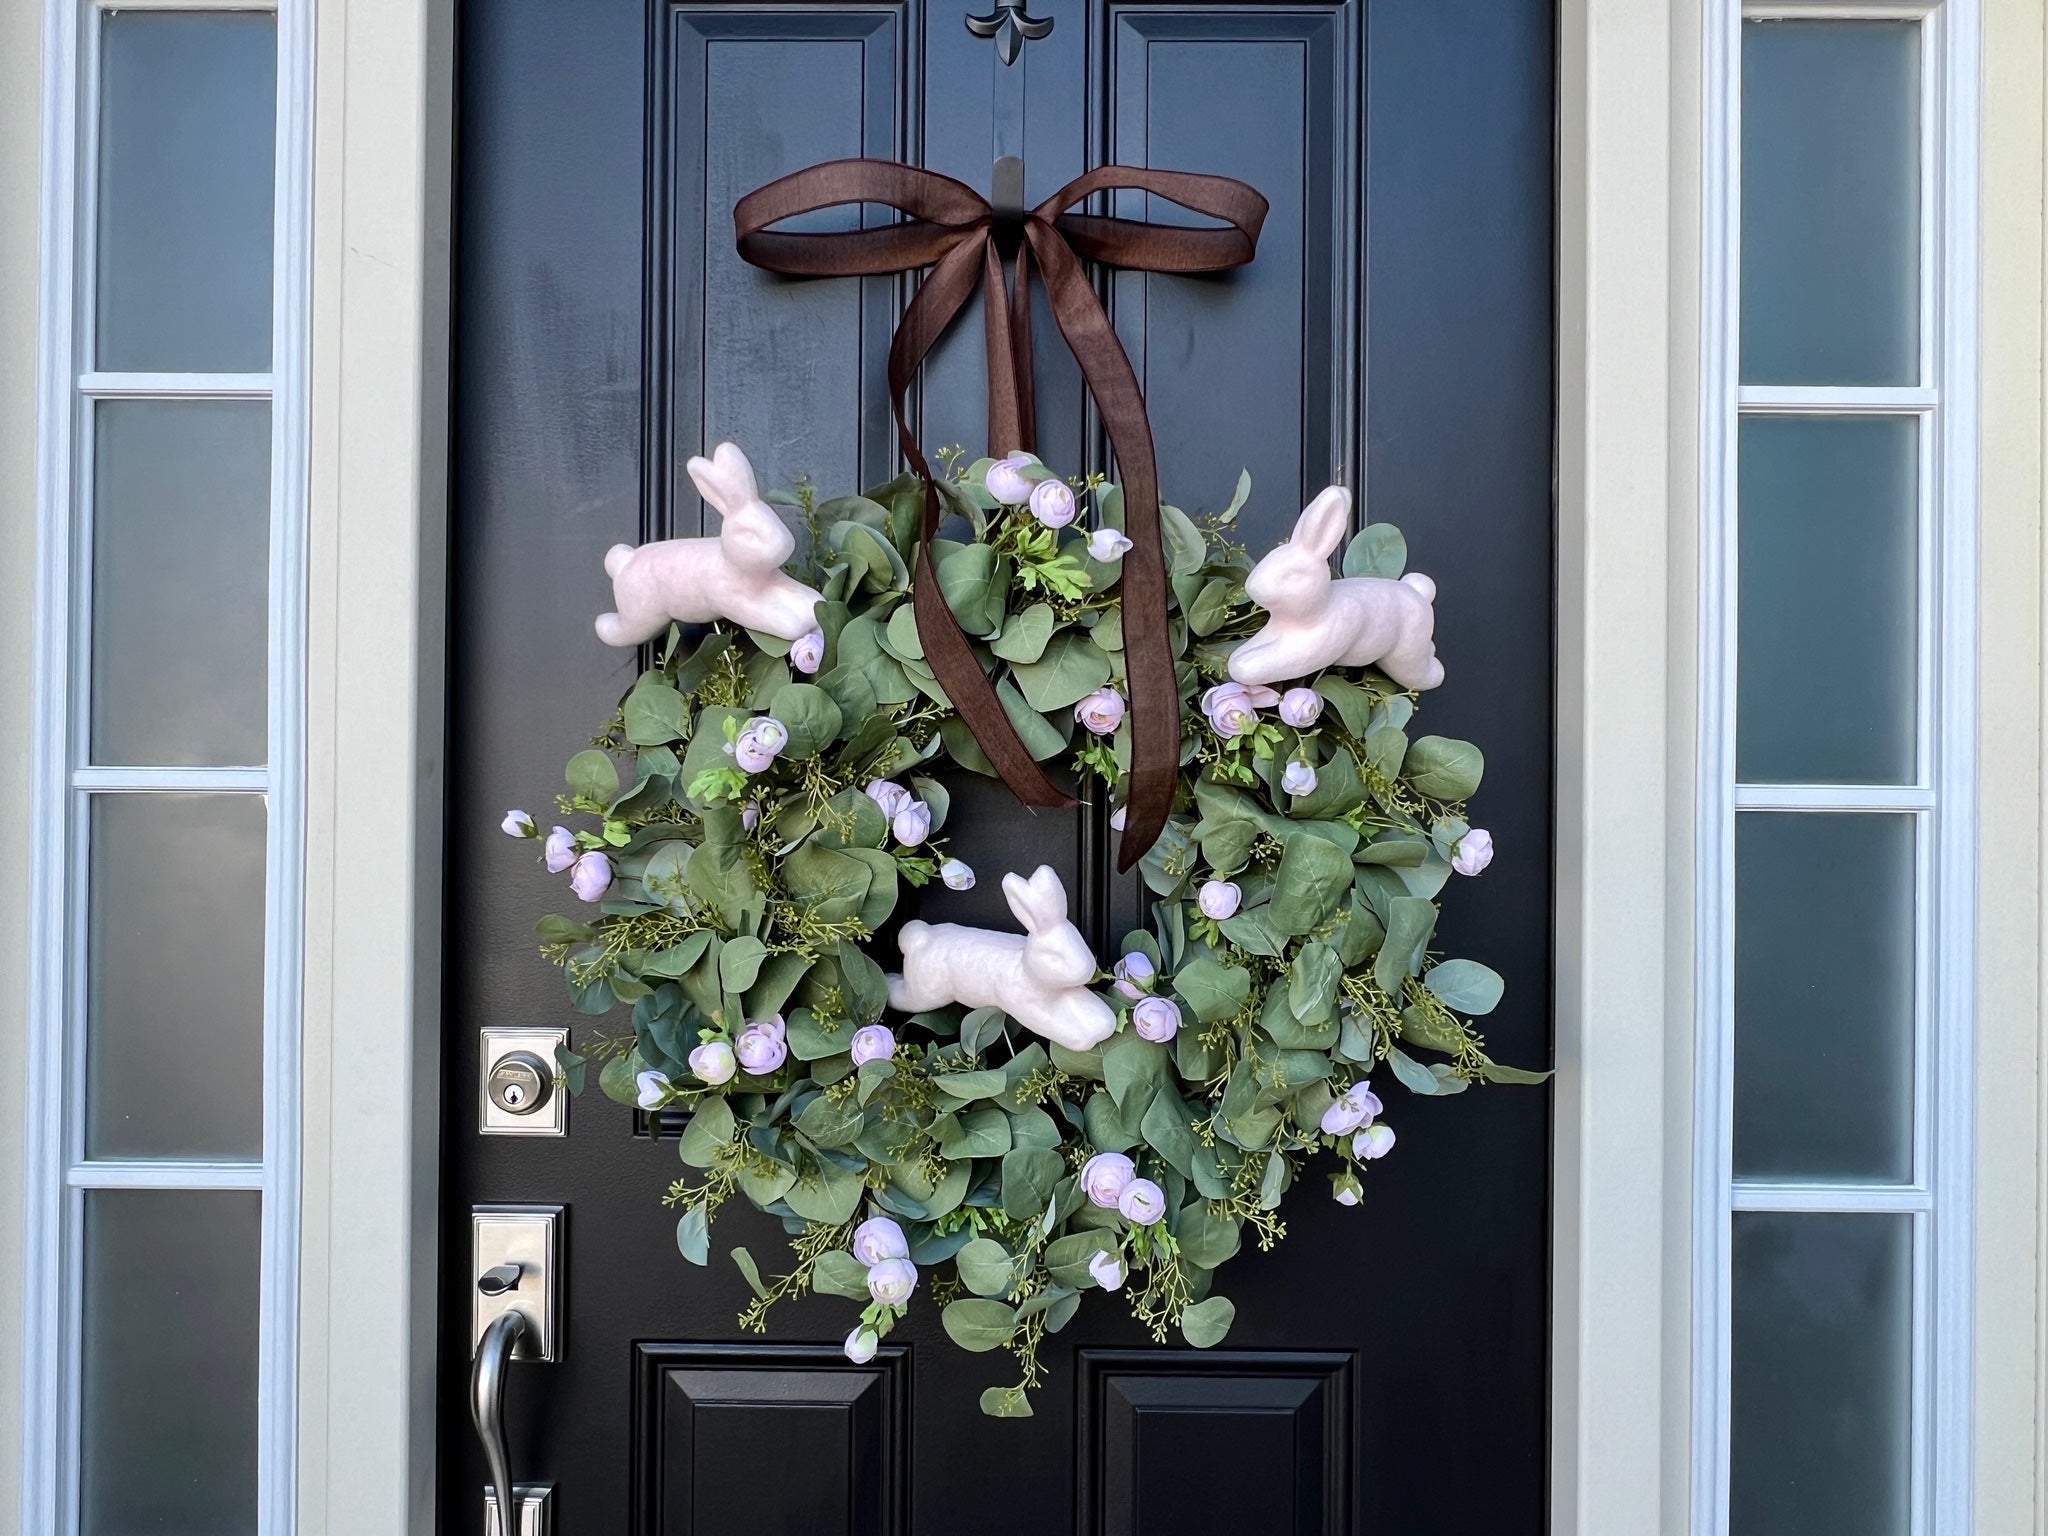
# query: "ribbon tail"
(1148, 649)
(947, 650)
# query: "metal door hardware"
(517, 1261)
(516, 1309)
(536, 1503)
(518, 1095)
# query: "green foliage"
(747, 896)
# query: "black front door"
(1387, 1369)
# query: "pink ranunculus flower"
(1474, 852)
(1354, 1107)
(1104, 1177)
(1375, 1141)
(1142, 1202)
(1007, 480)
(861, 1345)
(1345, 1188)
(762, 1046)
(957, 875)
(889, 795)
(1218, 899)
(1233, 708)
(807, 652)
(714, 1062)
(1106, 544)
(1107, 1270)
(1134, 973)
(750, 815)
(874, 1042)
(1102, 711)
(559, 850)
(1298, 778)
(1052, 503)
(591, 877)
(879, 1238)
(651, 1089)
(760, 741)
(913, 824)
(891, 1281)
(1156, 1019)
(1301, 707)
(518, 824)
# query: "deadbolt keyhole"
(521, 1083)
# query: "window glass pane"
(174, 1033)
(180, 583)
(1827, 629)
(1830, 202)
(1823, 996)
(187, 145)
(170, 1362)
(1822, 1366)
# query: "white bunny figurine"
(1039, 977)
(737, 575)
(1315, 620)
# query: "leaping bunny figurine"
(737, 575)
(1315, 620)
(1039, 977)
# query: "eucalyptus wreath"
(743, 829)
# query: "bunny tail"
(615, 559)
(1422, 584)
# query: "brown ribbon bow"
(955, 231)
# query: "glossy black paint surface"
(1387, 1370)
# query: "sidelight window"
(166, 843)
(1836, 728)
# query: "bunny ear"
(1018, 890)
(705, 474)
(737, 474)
(1322, 524)
(1049, 895)
(726, 479)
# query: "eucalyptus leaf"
(1378, 549)
(709, 1133)
(593, 776)
(1410, 921)
(1070, 669)
(1465, 985)
(750, 1272)
(1311, 882)
(839, 1273)
(1213, 989)
(986, 1267)
(979, 1324)
(1444, 769)
(1206, 1322)
(1025, 634)
(693, 1238)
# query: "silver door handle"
(487, 1408)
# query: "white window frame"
(58, 1172)
(1943, 402)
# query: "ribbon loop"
(956, 232)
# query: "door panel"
(1395, 330)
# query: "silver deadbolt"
(521, 1082)
(516, 1089)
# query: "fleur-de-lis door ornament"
(1011, 27)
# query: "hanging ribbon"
(955, 231)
